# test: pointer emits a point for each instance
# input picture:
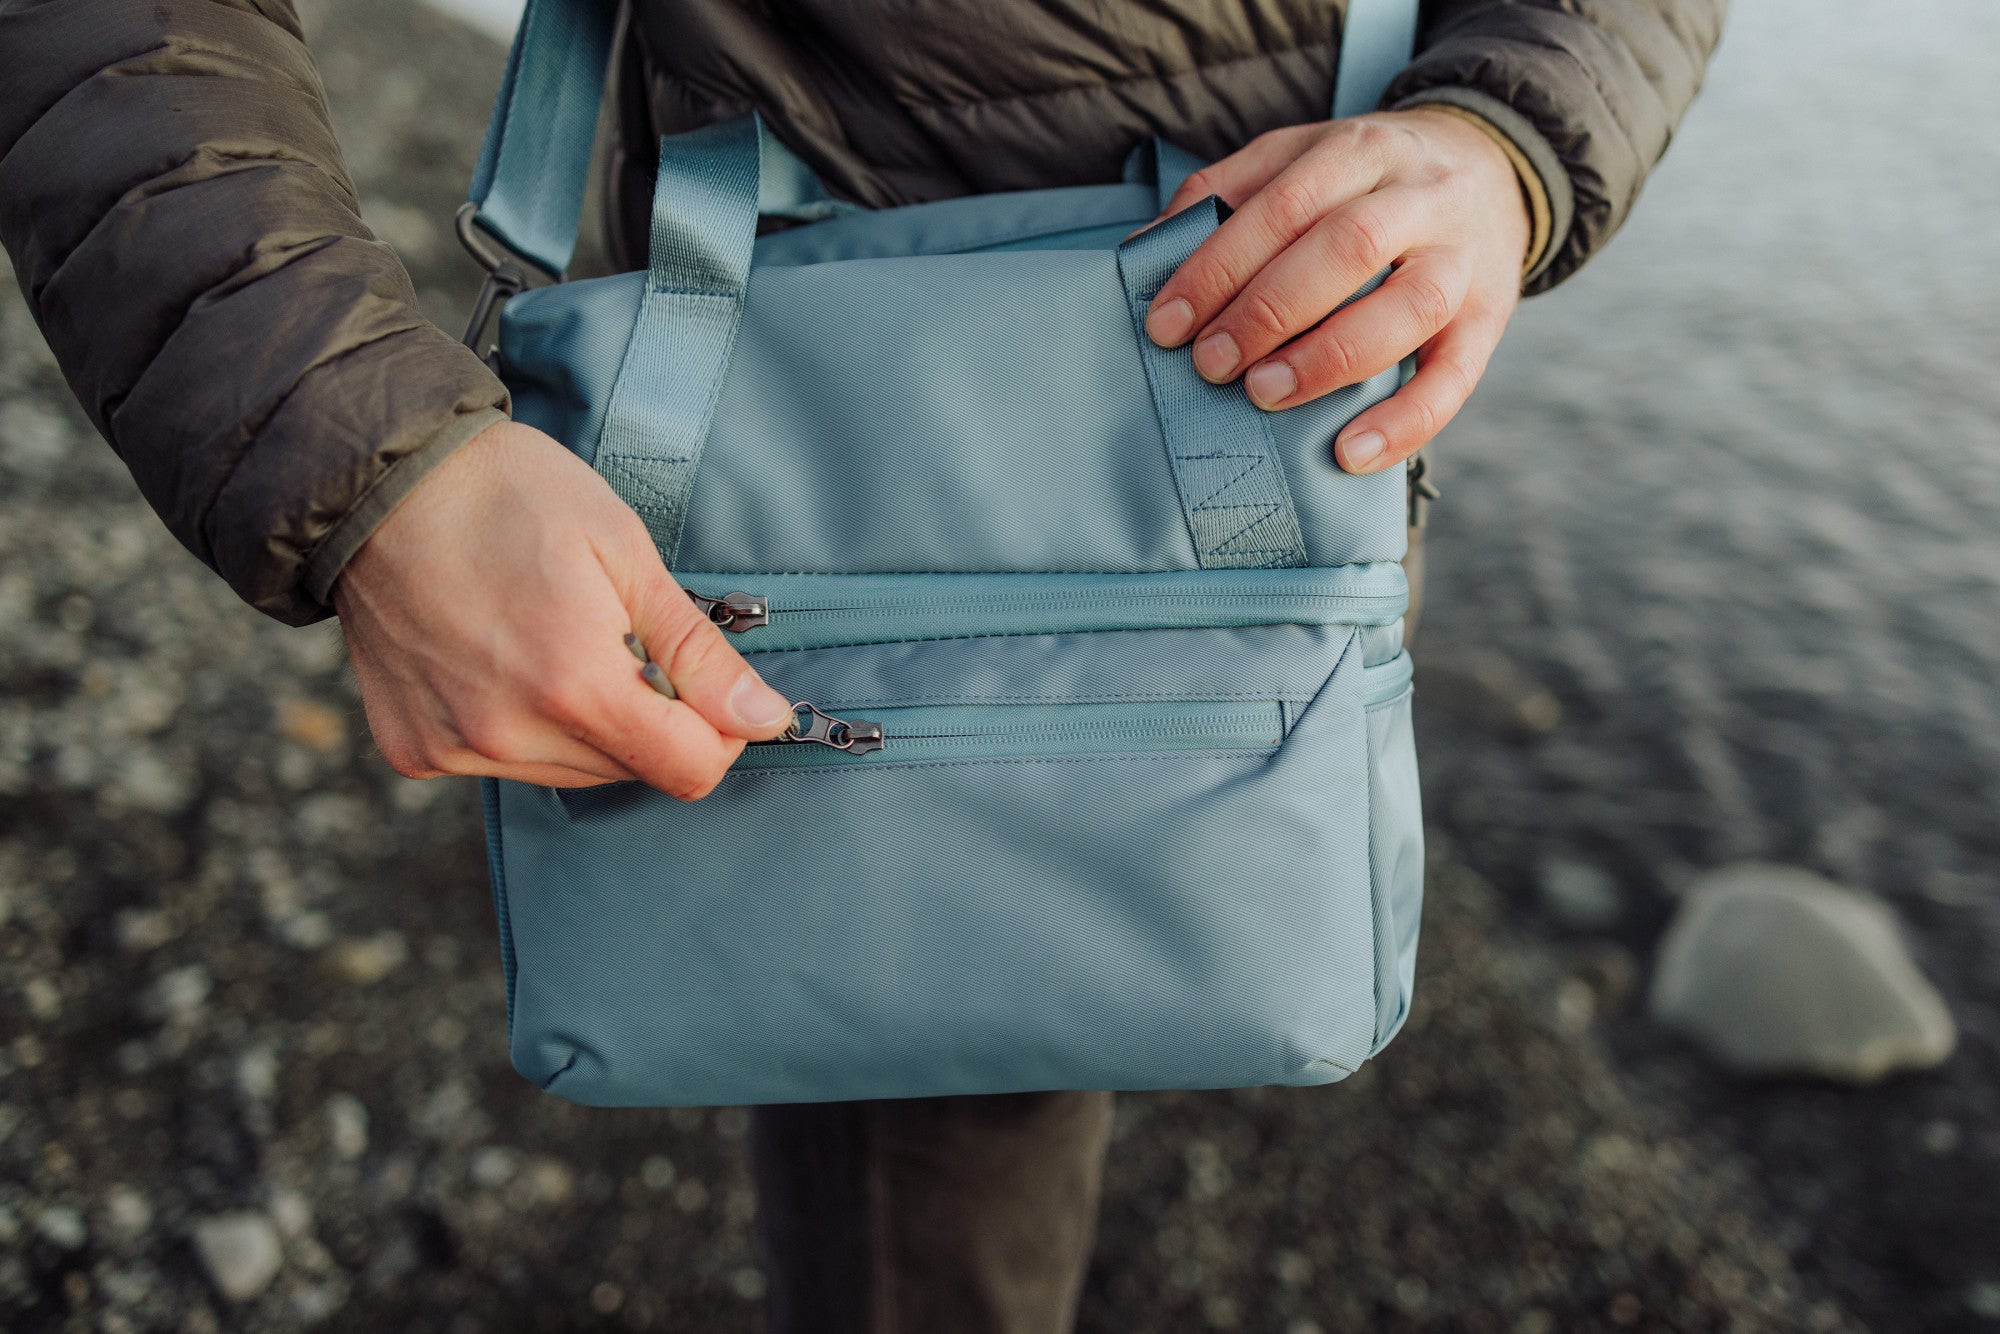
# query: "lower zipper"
(933, 732)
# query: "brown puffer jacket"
(184, 231)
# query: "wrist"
(335, 553)
(1535, 213)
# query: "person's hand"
(485, 620)
(1321, 208)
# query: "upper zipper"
(960, 606)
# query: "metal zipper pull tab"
(856, 736)
(734, 612)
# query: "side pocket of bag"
(1395, 853)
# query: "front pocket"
(1008, 731)
(1123, 859)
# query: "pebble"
(177, 994)
(312, 724)
(551, 1182)
(44, 998)
(142, 929)
(492, 1167)
(1983, 1300)
(369, 961)
(239, 1252)
(257, 1072)
(657, 1172)
(292, 1212)
(1578, 894)
(347, 1125)
(129, 1213)
(1776, 971)
(1490, 692)
(62, 1226)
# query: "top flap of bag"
(978, 412)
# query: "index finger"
(1334, 171)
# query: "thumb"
(708, 675)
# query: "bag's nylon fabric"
(704, 225)
(861, 929)
(1146, 815)
(854, 433)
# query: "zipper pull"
(734, 612)
(856, 736)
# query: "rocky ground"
(252, 1068)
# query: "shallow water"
(1734, 494)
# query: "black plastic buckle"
(1422, 493)
(505, 277)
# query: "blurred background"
(1714, 582)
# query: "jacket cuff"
(1531, 155)
(390, 489)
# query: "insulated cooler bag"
(1103, 774)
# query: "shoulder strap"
(527, 191)
(528, 187)
(1377, 39)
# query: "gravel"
(251, 974)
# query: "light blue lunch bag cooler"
(1107, 778)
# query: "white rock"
(240, 1253)
(1777, 971)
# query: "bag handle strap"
(704, 225)
(527, 190)
(710, 191)
(1377, 39)
(1225, 461)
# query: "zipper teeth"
(1229, 727)
(904, 606)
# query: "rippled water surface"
(1734, 494)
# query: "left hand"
(1321, 208)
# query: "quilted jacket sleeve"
(1590, 91)
(185, 233)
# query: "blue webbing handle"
(533, 163)
(1232, 486)
(1377, 38)
(705, 207)
(529, 182)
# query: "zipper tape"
(766, 612)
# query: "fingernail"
(655, 676)
(1169, 325)
(1358, 453)
(1216, 356)
(1270, 383)
(756, 705)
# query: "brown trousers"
(938, 1215)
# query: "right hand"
(485, 621)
